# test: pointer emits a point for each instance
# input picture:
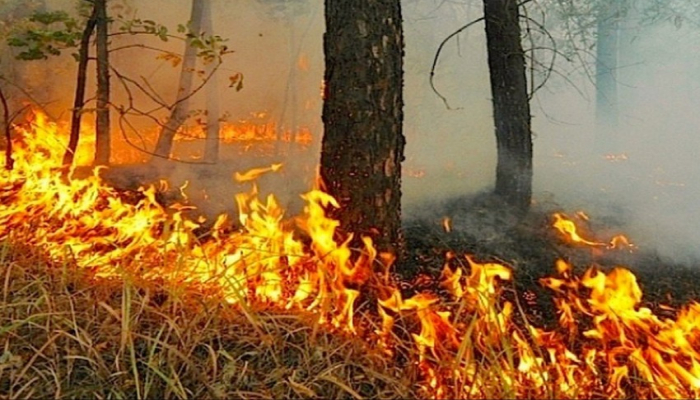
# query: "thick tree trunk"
(608, 35)
(363, 143)
(103, 139)
(178, 114)
(79, 101)
(511, 107)
(212, 142)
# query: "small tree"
(57, 31)
(600, 25)
(212, 142)
(7, 133)
(179, 113)
(102, 126)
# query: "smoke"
(651, 184)
(650, 187)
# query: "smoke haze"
(652, 184)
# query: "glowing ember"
(471, 346)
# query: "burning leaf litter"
(469, 344)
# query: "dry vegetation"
(67, 335)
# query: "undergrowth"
(65, 334)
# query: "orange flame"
(568, 228)
(466, 344)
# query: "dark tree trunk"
(212, 142)
(363, 143)
(102, 142)
(178, 115)
(511, 107)
(608, 35)
(9, 161)
(79, 101)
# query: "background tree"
(601, 33)
(102, 125)
(81, 81)
(511, 107)
(53, 32)
(363, 143)
(6, 131)
(212, 142)
(179, 112)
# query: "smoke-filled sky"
(653, 183)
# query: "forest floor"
(480, 225)
(66, 334)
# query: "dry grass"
(66, 335)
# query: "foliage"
(54, 31)
(51, 33)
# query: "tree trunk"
(293, 84)
(212, 142)
(178, 114)
(9, 161)
(102, 142)
(79, 101)
(511, 107)
(363, 144)
(605, 79)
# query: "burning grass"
(280, 307)
(65, 334)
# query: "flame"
(255, 173)
(256, 134)
(447, 224)
(466, 343)
(87, 221)
(569, 230)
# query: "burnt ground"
(481, 226)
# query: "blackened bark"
(511, 107)
(9, 161)
(605, 77)
(363, 144)
(178, 114)
(102, 141)
(79, 101)
(212, 142)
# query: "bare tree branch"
(437, 57)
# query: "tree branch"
(437, 57)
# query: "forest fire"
(258, 135)
(469, 344)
